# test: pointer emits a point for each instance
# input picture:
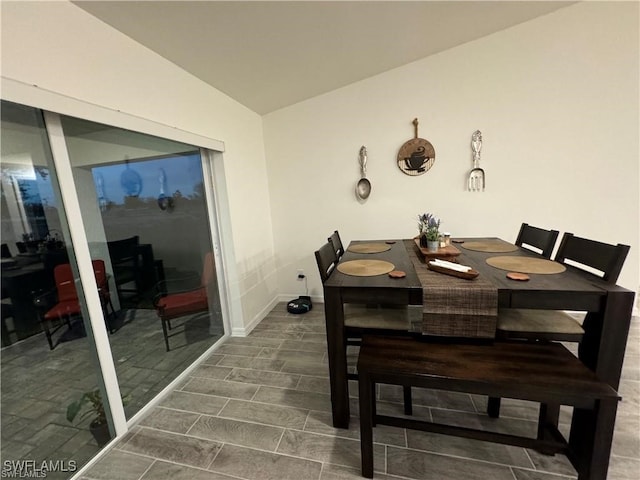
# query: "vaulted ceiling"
(267, 55)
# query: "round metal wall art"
(417, 155)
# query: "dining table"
(608, 307)
(19, 284)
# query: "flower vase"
(433, 245)
(423, 241)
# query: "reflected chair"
(589, 257)
(67, 303)
(51, 259)
(334, 239)
(362, 320)
(541, 240)
(125, 261)
(170, 305)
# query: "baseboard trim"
(246, 330)
(283, 297)
(286, 297)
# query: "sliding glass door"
(109, 279)
(144, 208)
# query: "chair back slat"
(607, 258)
(539, 238)
(326, 260)
(65, 284)
(335, 240)
(124, 250)
(100, 273)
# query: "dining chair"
(125, 261)
(334, 239)
(360, 320)
(540, 239)
(67, 303)
(183, 302)
(590, 257)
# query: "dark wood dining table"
(18, 284)
(609, 308)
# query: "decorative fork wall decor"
(476, 181)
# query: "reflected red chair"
(68, 305)
(186, 302)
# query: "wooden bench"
(546, 373)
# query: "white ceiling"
(267, 55)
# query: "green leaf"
(74, 408)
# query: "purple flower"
(429, 225)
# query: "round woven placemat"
(366, 268)
(369, 247)
(490, 246)
(526, 264)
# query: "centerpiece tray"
(447, 252)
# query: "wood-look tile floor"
(259, 409)
(38, 384)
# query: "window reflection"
(46, 362)
(145, 212)
(146, 219)
(32, 236)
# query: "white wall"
(65, 51)
(556, 100)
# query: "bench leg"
(590, 439)
(547, 420)
(493, 407)
(367, 402)
(408, 404)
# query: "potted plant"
(429, 230)
(91, 403)
(30, 242)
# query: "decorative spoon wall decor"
(363, 187)
(417, 155)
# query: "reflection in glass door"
(145, 212)
(48, 359)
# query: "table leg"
(337, 355)
(367, 411)
(605, 338)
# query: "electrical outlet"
(300, 275)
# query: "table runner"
(455, 307)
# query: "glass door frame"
(88, 287)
